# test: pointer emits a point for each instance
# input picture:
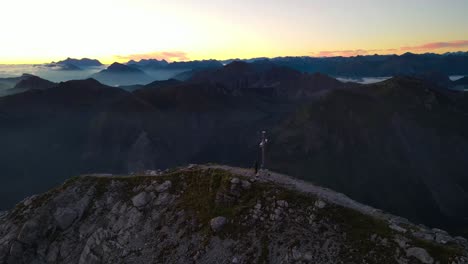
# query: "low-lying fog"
(363, 80)
(60, 75)
(48, 73)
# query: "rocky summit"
(212, 214)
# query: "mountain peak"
(83, 62)
(33, 82)
(216, 210)
(119, 67)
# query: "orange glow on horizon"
(180, 30)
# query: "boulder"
(320, 204)
(29, 232)
(218, 223)
(141, 199)
(65, 217)
(397, 228)
(246, 185)
(235, 180)
(282, 203)
(420, 254)
(164, 186)
(442, 238)
(163, 199)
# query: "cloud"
(159, 55)
(437, 45)
(432, 46)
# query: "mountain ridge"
(98, 218)
(121, 74)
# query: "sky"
(119, 30)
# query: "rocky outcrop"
(203, 214)
(218, 223)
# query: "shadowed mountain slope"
(364, 140)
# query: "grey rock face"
(29, 232)
(163, 199)
(141, 199)
(65, 217)
(235, 181)
(164, 187)
(420, 254)
(397, 228)
(320, 204)
(442, 237)
(218, 223)
(157, 220)
(246, 185)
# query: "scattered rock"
(424, 235)
(258, 206)
(141, 199)
(397, 228)
(246, 185)
(3, 214)
(296, 254)
(163, 199)
(320, 204)
(29, 200)
(29, 232)
(308, 256)
(164, 186)
(420, 254)
(282, 203)
(65, 217)
(80, 224)
(218, 223)
(235, 180)
(401, 241)
(443, 237)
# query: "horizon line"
(233, 59)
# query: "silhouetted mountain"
(148, 64)
(437, 78)
(153, 64)
(153, 85)
(202, 64)
(23, 83)
(33, 83)
(264, 75)
(8, 83)
(83, 95)
(121, 68)
(120, 74)
(131, 88)
(397, 145)
(379, 65)
(80, 63)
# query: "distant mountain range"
(359, 67)
(380, 65)
(398, 145)
(153, 64)
(71, 64)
